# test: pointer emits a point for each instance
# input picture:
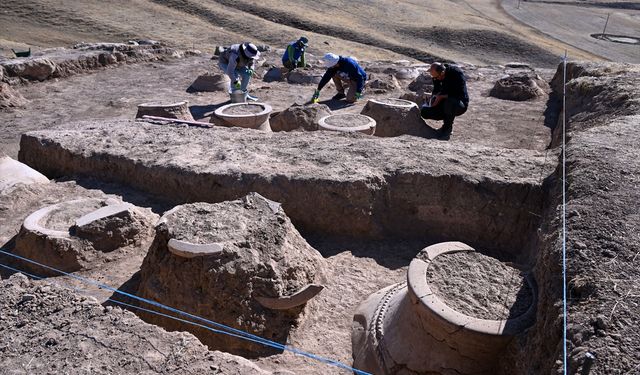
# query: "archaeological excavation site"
(155, 221)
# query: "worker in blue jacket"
(294, 55)
(343, 70)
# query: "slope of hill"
(449, 30)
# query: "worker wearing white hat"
(343, 70)
(237, 62)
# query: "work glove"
(316, 95)
(359, 95)
(236, 84)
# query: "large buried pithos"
(240, 263)
(244, 115)
(456, 313)
(69, 236)
(348, 122)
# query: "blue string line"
(240, 333)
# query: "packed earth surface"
(263, 243)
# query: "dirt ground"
(115, 93)
(480, 35)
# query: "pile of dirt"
(519, 87)
(64, 62)
(50, 329)
(10, 98)
(299, 117)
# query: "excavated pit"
(239, 263)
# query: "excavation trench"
(330, 184)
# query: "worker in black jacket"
(449, 97)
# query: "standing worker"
(449, 97)
(343, 70)
(294, 55)
(237, 62)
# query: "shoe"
(252, 98)
(444, 134)
(339, 96)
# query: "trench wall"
(405, 202)
(602, 114)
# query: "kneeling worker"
(449, 97)
(237, 62)
(343, 70)
(294, 54)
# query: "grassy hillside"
(381, 29)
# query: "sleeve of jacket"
(326, 77)
(231, 68)
(291, 53)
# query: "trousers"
(446, 110)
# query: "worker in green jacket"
(294, 54)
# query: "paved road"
(574, 24)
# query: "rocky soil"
(50, 329)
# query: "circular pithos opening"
(347, 120)
(396, 102)
(243, 109)
(624, 39)
(479, 286)
(63, 216)
(208, 223)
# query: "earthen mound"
(395, 117)
(383, 83)
(210, 83)
(82, 57)
(299, 118)
(422, 84)
(32, 68)
(179, 110)
(519, 87)
(274, 75)
(304, 77)
(74, 235)
(240, 263)
(10, 98)
(63, 332)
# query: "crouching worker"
(343, 71)
(237, 62)
(449, 97)
(294, 55)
